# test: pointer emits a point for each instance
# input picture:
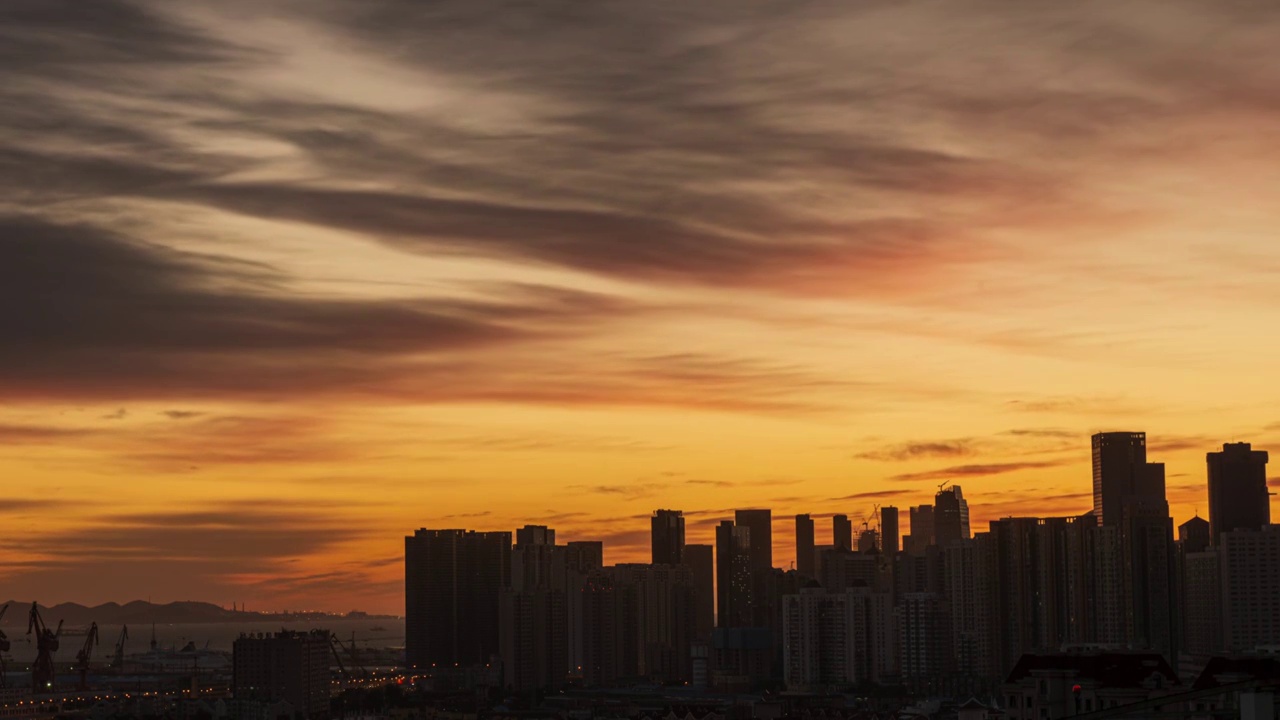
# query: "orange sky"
(281, 282)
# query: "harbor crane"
(4, 648)
(86, 654)
(47, 641)
(117, 660)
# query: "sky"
(282, 281)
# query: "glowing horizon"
(284, 282)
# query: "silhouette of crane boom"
(86, 654)
(117, 661)
(4, 648)
(47, 641)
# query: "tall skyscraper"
(761, 524)
(453, 585)
(889, 530)
(733, 575)
(581, 558)
(532, 632)
(950, 516)
(667, 541)
(805, 555)
(1121, 471)
(1238, 498)
(841, 532)
(699, 560)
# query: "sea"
(371, 633)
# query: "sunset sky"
(282, 281)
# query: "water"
(218, 636)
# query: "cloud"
(16, 434)
(181, 414)
(923, 449)
(869, 495)
(979, 470)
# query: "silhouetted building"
(819, 652)
(921, 535)
(533, 631)
(805, 554)
(662, 598)
(741, 658)
(924, 650)
(1238, 497)
(667, 533)
(1146, 538)
(950, 516)
(581, 558)
(1051, 686)
(1194, 535)
(972, 599)
(1250, 565)
(1120, 471)
(699, 559)
(286, 666)
(889, 534)
(761, 524)
(453, 584)
(842, 569)
(764, 603)
(1201, 606)
(868, 541)
(733, 575)
(841, 532)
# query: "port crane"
(86, 654)
(117, 661)
(4, 648)
(336, 644)
(47, 641)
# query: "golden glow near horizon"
(283, 283)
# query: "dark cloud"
(869, 495)
(1166, 443)
(979, 470)
(917, 450)
(181, 414)
(20, 434)
(93, 313)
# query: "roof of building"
(1107, 669)
(1222, 671)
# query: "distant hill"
(140, 612)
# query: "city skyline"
(283, 281)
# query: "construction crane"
(943, 484)
(352, 654)
(117, 661)
(47, 641)
(86, 654)
(4, 648)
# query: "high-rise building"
(950, 516)
(664, 604)
(733, 575)
(765, 611)
(922, 529)
(453, 586)
(287, 666)
(889, 530)
(1201, 607)
(1250, 567)
(761, 524)
(818, 652)
(1238, 498)
(667, 531)
(841, 532)
(699, 559)
(1120, 471)
(581, 558)
(1149, 568)
(533, 630)
(805, 555)
(924, 650)
(971, 595)
(868, 541)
